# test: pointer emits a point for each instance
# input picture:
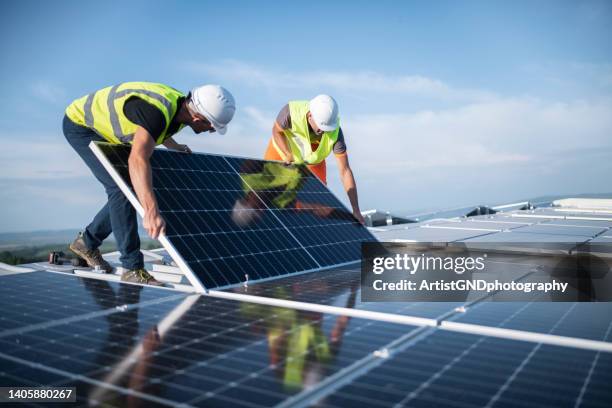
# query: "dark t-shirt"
(143, 114)
(284, 121)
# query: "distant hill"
(24, 247)
(11, 240)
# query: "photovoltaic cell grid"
(463, 370)
(317, 219)
(581, 320)
(339, 287)
(231, 217)
(39, 297)
(196, 350)
(219, 352)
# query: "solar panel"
(552, 213)
(461, 370)
(340, 287)
(176, 348)
(38, 297)
(483, 225)
(194, 349)
(554, 229)
(534, 238)
(581, 222)
(561, 318)
(428, 234)
(232, 219)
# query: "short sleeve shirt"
(284, 121)
(142, 113)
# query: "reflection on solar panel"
(340, 287)
(38, 297)
(229, 218)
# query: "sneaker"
(93, 257)
(140, 276)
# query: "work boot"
(140, 276)
(93, 257)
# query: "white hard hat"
(216, 104)
(324, 111)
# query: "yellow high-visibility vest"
(298, 136)
(102, 111)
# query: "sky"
(443, 104)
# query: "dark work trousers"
(117, 216)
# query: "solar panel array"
(229, 218)
(129, 345)
(184, 348)
(539, 226)
(133, 345)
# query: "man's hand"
(183, 148)
(288, 159)
(359, 217)
(170, 143)
(154, 223)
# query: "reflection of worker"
(123, 329)
(144, 115)
(299, 349)
(307, 132)
(275, 185)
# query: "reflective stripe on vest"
(102, 111)
(298, 136)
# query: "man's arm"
(281, 141)
(140, 174)
(348, 181)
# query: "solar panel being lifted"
(234, 219)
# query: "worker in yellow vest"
(143, 114)
(308, 132)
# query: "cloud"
(512, 132)
(49, 203)
(48, 92)
(39, 156)
(572, 77)
(360, 81)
